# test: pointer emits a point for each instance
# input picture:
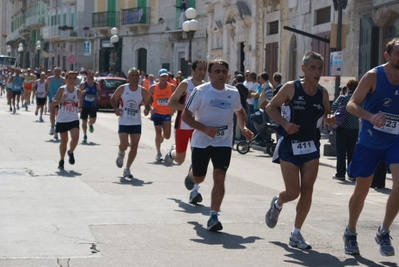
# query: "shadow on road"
(70, 174)
(228, 241)
(89, 144)
(188, 208)
(133, 182)
(312, 258)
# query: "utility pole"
(339, 5)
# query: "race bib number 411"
(303, 147)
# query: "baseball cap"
(163, 72)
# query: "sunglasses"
(218, 71)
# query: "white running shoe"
(158, 157)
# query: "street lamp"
(8, 50)
(114, 40)
(190, 26)
(21, 50)
(38, 48)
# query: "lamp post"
(114, 40)
(8, 50)
(38, 48)
(190, 26)
(21, 50)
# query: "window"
(272, 27)
(323, 15)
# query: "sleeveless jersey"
(384, 99)
(129, 103)
(180, 124)
(214, 108)
(90, 97)
(306, 111)
(17, 84)
(146, 84)
(28, 80)
(41, 89)
(9, 85)
(53, 86)
(68, 111)
(161, 98)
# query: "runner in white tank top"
(69, 99)
(126, 102)
(41, 94)
(178, 100)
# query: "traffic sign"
(71, 59)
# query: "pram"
(264, 128)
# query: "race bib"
(303, 147)
(69, 107)
(131, 112)
(162, 101)
(89, 98)
(40, 94)
(221, 132)
(391, 125)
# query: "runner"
(90, 93)
(41, 95)
(304, 104)
(69, 99)
(126, 103)
(9, 86)
(177, 102)
(29, 78)
(16, 81)
(159, 95)
(213, 105)
(53, 83)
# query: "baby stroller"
(262, 124)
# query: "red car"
(108, 86)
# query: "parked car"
(108, 86)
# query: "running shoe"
(26, 107)
(41, 119)
(119, 160)
(195, 197)
(71, 158)
(52, 130)
(61, 165)
(10, 108)
(384, 240)
(158, 157)
(84, 139)
(14, 111)
(350, 243)
(36, 112)
(272, 214)
(55, 135)
(188, 182)
(127, 174)
(91, 128)
(18, 106)
(214, 224)
(297, 241)
(338, 178)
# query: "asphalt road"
(88, 215)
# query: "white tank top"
(68, 111)
(190, 87)
(9, 85)
(129, 103)
(41, 89)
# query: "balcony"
(103, 21)
(71, 2)
(78, 33)
(35, 15)
(14, 36)
(136, 18)
(51, 32)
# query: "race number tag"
(162, 101)
(221, 132)
(69, 107)
(131, 112)
(89, 98)
(40, 94)
(391, 125)
(303, 148)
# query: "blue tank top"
(90, 97)
(385, 98)
(17, 84)
(304, 110)
(54, 86)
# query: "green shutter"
(72, 19)
(190, 3)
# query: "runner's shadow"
(312, 258)
(89, 144)
(228, 241)
(133, 182)
(156, 162)
(55, 141)
(66, 173)
(188, 208)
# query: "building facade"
(255, 35)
